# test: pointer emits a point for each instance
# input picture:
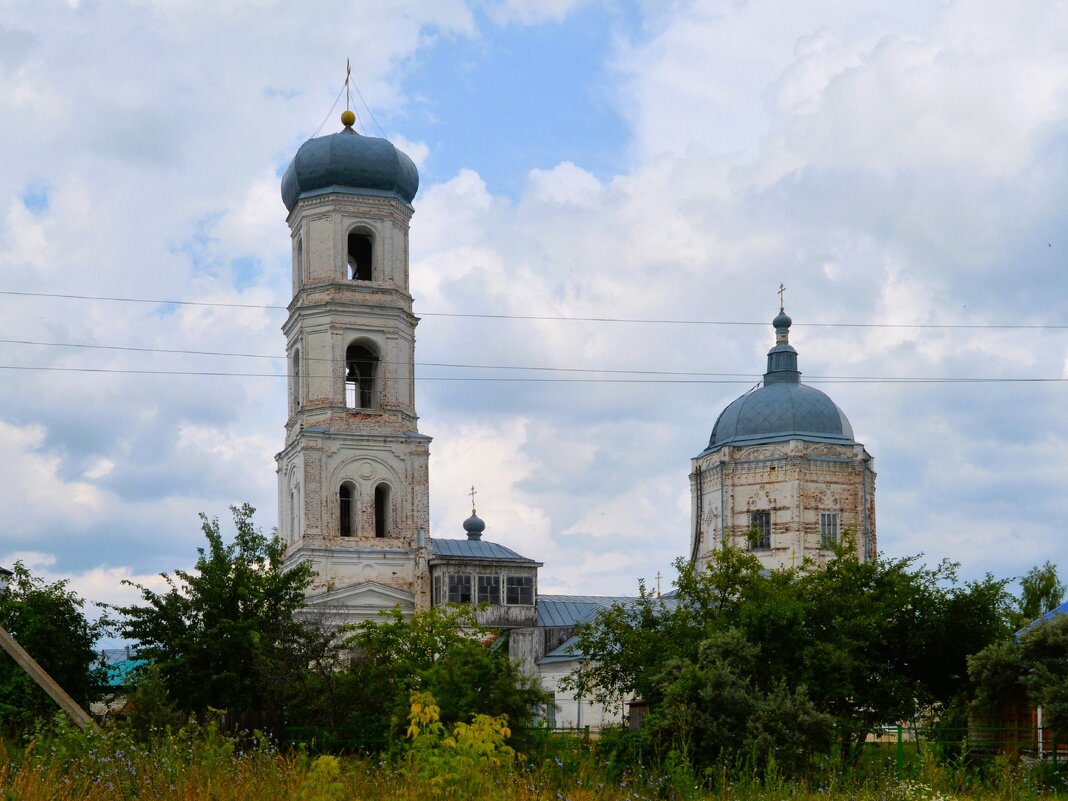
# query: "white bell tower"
(352, 479)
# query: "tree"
(47, 620)
(441, 650)
(1031, 668)
(225, 634)
(1040, 591)
(714, 709)
(866, 642)
(1044, 658)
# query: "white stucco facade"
(353, 482)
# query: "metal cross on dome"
(782, 289)
(472, 493)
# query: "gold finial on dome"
(347, 116)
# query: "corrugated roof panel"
(473, 549)
(566, 652)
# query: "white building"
(781, 474)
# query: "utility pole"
(38, 673)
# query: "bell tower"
(352, 478)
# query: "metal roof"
(1060, 610)
(474, 549)
(781, 411)
(568, 651)
(346, 161)
(782, 408)
(570, 610)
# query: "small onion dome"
(474, 526)
(782, 320)
(349, 163)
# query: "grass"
(199, 764)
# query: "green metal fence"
(908, 744)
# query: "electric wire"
(331, 111)
(278, 357)
(572, 318)
(741, 377)
(535, 380)
(359, 94)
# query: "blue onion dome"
(781, 408)
(349, 163)
(474, 526)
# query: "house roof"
(570, 610)
(1060, 610)
(475, 549)
(119, 664)
(573, 610)
(567, 651)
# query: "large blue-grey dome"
(350, 163)
(782, 408)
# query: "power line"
(574, 318)
(184, 352)
(744, 378)
(142, 300)
(529, 379)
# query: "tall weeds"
(194, 763)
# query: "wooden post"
(46, 682)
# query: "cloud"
(901, 165)
(530, 12)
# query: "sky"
(902, 167)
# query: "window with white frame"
(489, 589)
(828, 529)
(520, 590)
(760, 530)
(460, 588)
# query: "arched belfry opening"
(360, 250)
(382, 507)
(361, 376)
(296, 378)
(347, 509)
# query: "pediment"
(357, 603)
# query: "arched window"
(294, 516)
(359, 256)
(361, 369)
(382, 510)
(347, 509)
(296, 378)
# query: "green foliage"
(323, 782)
(194, 763)
(150, 712)
(441, 650)
(996, 672)
(756, 662)
(1044, 658)
(716, 709)
(224, 635)
(461, 762)
(1031, 669)
(48, 622)
(1040, 591)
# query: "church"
(782, 473)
